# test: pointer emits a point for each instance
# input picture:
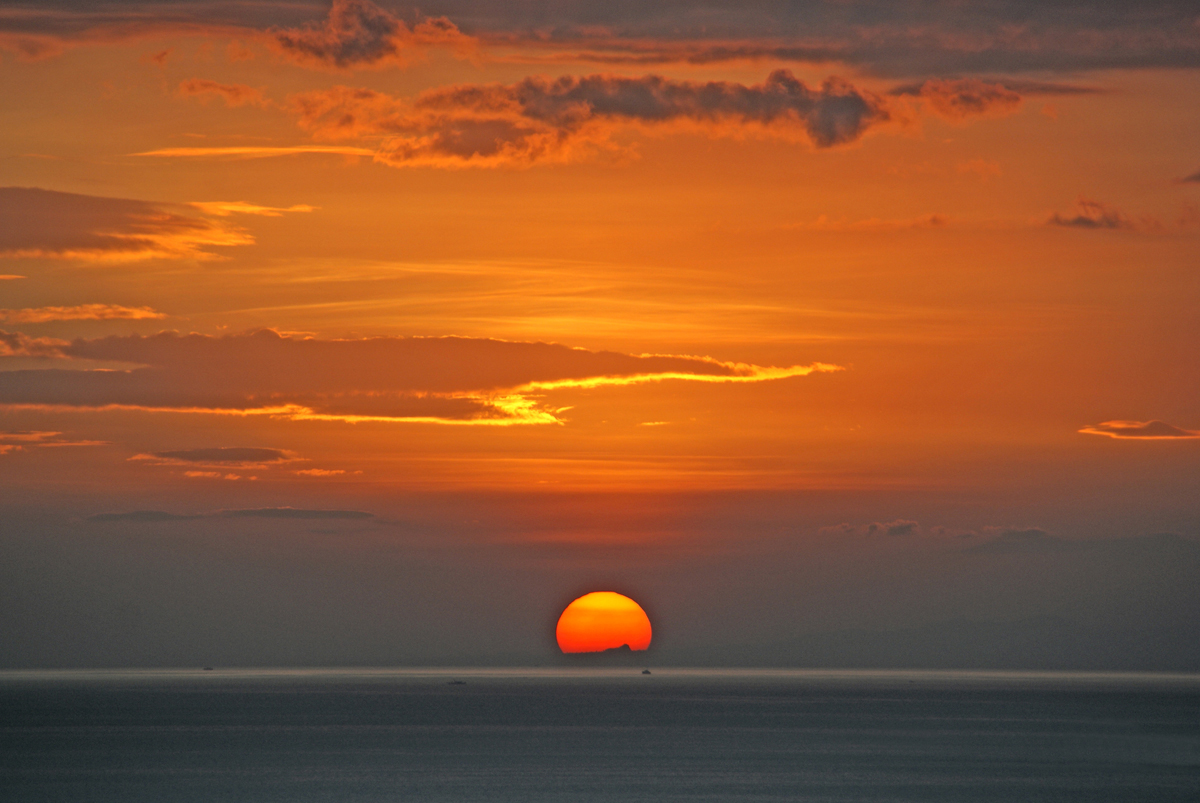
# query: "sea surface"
(597, 735)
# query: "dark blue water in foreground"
(604, 735)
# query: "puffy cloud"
(543, 119)
(358, 33)
(1092, 215)
(83, 312)
(441, 380)
(43, 224)
(1096, 215)
(1140, 430)
(232, 94)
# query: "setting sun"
(602, 620)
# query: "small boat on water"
(645, 671)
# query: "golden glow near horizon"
(602, 620)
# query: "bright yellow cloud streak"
(746, 373)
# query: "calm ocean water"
(597, 735)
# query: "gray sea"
(597, 735)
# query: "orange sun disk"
(601, 621)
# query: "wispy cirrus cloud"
(432, 380)
(1140, 430)
(44, 224)
(81, 312)
(21, 440)
(963, 99)
(232, 94)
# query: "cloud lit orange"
(602, 620)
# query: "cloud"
(896, 527)
(563, 119)
(1013, 540)
(223, 455)
(154, 516)
(965, 98)
(258, 152)
(294, 513)
(1194, 178)
(20, 440)
(83, 312)
(227, 208)
(436, 380)
(8, 277)
(1139, 430)
(824, 223)
(233, 94)
(30, 439)
(141, 516)
(16, 344)
(320, 472)
(935, 38)
(1092, 215)
(358, 34)
(43, 224)
(1096, 215)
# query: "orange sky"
(588, 274)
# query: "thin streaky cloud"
(45, 224)
(1140, 430)
(257, 152)
(233, 95)
(82, 312)
(162, 516)
(448, 380)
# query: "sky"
(843, 333)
